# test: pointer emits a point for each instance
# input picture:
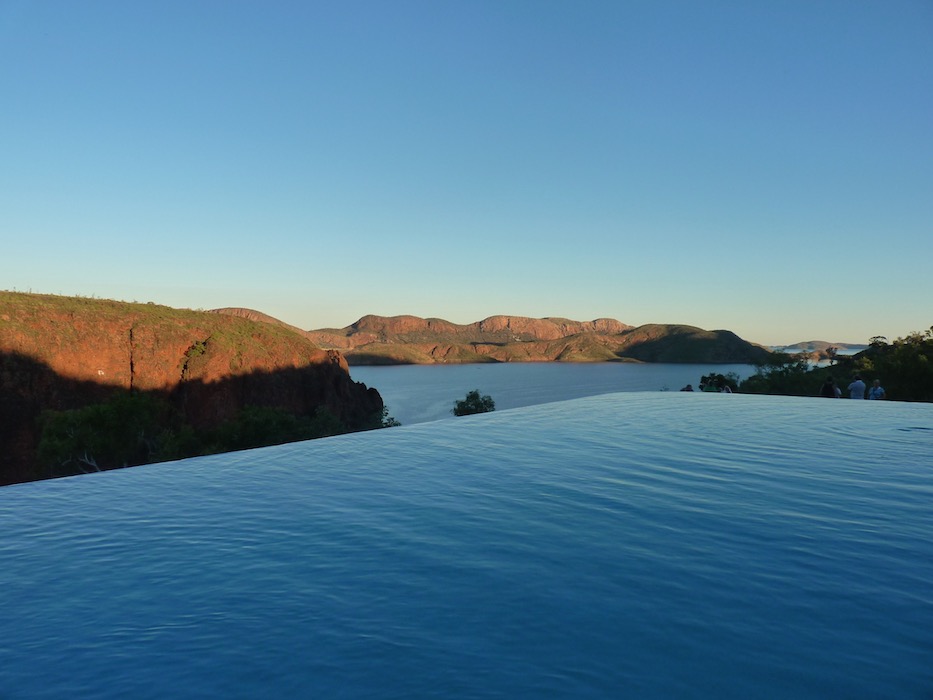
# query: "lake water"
(419, 393)
(645, 545)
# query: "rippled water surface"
(627, 545)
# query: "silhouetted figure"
(857, 388)
(877, 391)
(828, 390)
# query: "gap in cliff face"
(132, 358)
(195, 350)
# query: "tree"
(782, 374)
(721, 380)
(905, 367)
(382, 419)
(261, 426)
(473, 403)
(388, 421)
(126, 429)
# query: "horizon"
(763, 170)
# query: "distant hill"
(252, 315)
(377, 340)
(818, 349)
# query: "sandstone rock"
(64, 352)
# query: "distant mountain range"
(382, 340)
(820, 348)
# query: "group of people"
(857, 389)
(724, 389)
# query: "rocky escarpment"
(413, 340)
(65, 353)
(495, 329)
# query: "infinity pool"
(627, 545)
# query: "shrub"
(473, 403)
(124, 430)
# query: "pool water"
(649, 545)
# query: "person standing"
(857, 388)
(828, 389)
(876, 391)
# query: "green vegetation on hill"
(153, 343)
(904, 367)
(133, 429)
(688, 344)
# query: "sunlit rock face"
(64, 352)
(377, 340)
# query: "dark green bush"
(473, 403)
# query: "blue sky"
(764, 167)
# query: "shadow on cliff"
(374, 359)
(29, 389)
(693, 346)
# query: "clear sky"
(763, 167)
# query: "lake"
(646, 545)
(419, 393)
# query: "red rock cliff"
(64, 352)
